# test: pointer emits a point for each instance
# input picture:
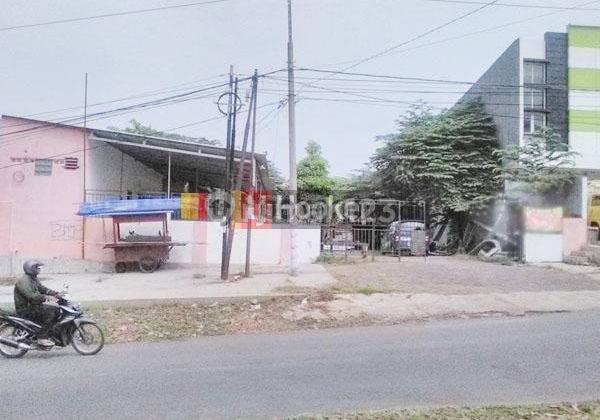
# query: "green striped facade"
(584, 79)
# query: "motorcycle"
(19, 335)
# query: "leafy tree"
(543, 165)
(136, 127)
(276, 180)
(362, 183)
(313, 173)
(445, 160)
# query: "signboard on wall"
(543, 219)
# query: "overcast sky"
(42, 68)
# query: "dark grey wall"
(502, 102)
(557, 96)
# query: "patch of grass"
(326, 258)
(294, 290)
(588, 410)
(369, 289)
(180, 321)
(348, 287)
(499, 259)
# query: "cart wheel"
(120, 267)
(148, 264)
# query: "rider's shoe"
(44, 342)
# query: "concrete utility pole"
(85, 146)
(293, 182)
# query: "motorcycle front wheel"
(87, 339)
(11, 333)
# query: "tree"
(136, 127)
(541, 166)
(313, 173)
(276, 180)
(445, 160)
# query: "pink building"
(47, 170)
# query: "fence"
(347, 238)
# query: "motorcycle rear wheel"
(88, 339)
(10, 332)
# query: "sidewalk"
(178, 284)
(487, 292)
(404, 306)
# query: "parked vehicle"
(406, 237)
(19, 335)
(594, 212)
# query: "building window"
(43, 167)
(533, 121)
(534, 98)
(534, 72)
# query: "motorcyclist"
(30, 296)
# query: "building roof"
(188, 159)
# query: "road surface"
(486, 361)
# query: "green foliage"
(136, 127)
(363, 183)
(277, 182)
(446, 160)
(313, 173)
(544, 164)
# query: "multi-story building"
(551, 82)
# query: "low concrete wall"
(574, 234)
(269, 245)
(12, 265)
(543, 247)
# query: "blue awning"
(130, 207)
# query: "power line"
(518, 5)
(45, 126)
(103, 145)
(166, 100)
(484, 30)
(421, 35)
(493, 28)
(167, 89)
(107, 15)
(421, 79)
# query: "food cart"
(147, 252)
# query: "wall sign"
(67, 162)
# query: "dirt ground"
(157, 322)
(453, 275)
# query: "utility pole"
(225, 221)
(85, 146)
(250, 216)
(293, 181)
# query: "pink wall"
(41, 210)
(574, 234)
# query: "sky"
(156, 54)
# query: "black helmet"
(31, 267)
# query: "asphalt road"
(536, 358)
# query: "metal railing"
(344, 238)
